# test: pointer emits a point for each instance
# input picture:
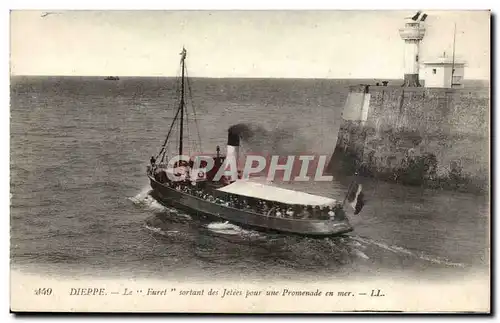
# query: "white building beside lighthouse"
(444, 72)
(412, 34)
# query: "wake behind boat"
(199, 188)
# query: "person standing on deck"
(306, 212)
(331, 214)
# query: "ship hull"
(194, 205)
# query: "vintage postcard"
(250, 161)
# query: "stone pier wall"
(416, 136)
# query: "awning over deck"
(277, 194)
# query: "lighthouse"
(412, 34)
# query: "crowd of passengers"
(268, 208)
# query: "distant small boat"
(112, 78)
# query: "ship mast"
(181, 132)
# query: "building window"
(434, 71)
(416, 58)
(457, 79)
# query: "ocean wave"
(141, 196)
(20, 170)
(144, 199)
(160, 231)
(54, 257)
(229, 229)
(400, 250)
(360, 254)
(86, 184)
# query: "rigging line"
(182, 101)
(190, 140)
(190, 92)
(171, 126)
(199, 142)
(189, 100)
(177, 141)
(175, 144)
(186, 112)
(178, 83)
(168, 135)
(186, 115)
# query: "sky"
(281, 44)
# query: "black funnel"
(233, 139)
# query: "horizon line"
(227, 77)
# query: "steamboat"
(192, 186)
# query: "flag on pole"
(355, 197)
